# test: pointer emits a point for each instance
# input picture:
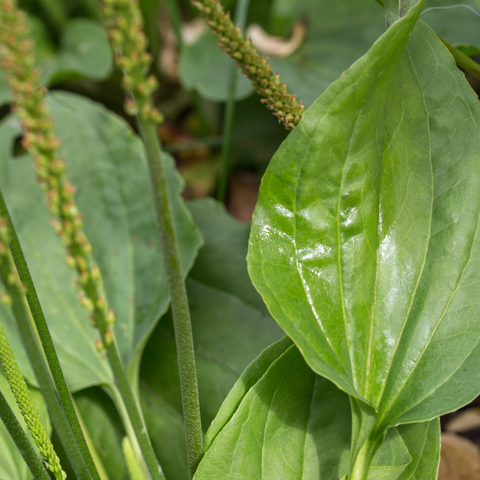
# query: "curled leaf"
(277, 46)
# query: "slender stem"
(366, 439)
(227, 137)
(21, 440)
(240, 19)
(463, 61)
(47, 342)
(133, 467)
(176, 19)
(133, 412)
(42, 373)
(55, 9)
(127, 424)
(178, 296)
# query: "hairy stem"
(46, 339)
(178, 296)
(36, 356)
(125, 27)
(134, 412)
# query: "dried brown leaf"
(459, 460)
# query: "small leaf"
(396, 9)
(84, 52)
(426, 445)
(314, 233)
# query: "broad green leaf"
(297, 233)
(12, 465)
(106, 163)
(84, 53)
(283, 421)
(364, 244)
(230, 327)
(206, 69)
(221, 263)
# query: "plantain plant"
(364, 247)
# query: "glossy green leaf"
(12, 465)
(230, 327)
(205, 68)
(283, 421)
(295, 202)
(364, 244)
(106, 163)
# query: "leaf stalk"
(366, 439)
(462, 60)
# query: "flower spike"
(129, 45)
(16, 51)
(283, 104)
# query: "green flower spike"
(16, 50)
(14, 376)
(129, 44)
(230, 39)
